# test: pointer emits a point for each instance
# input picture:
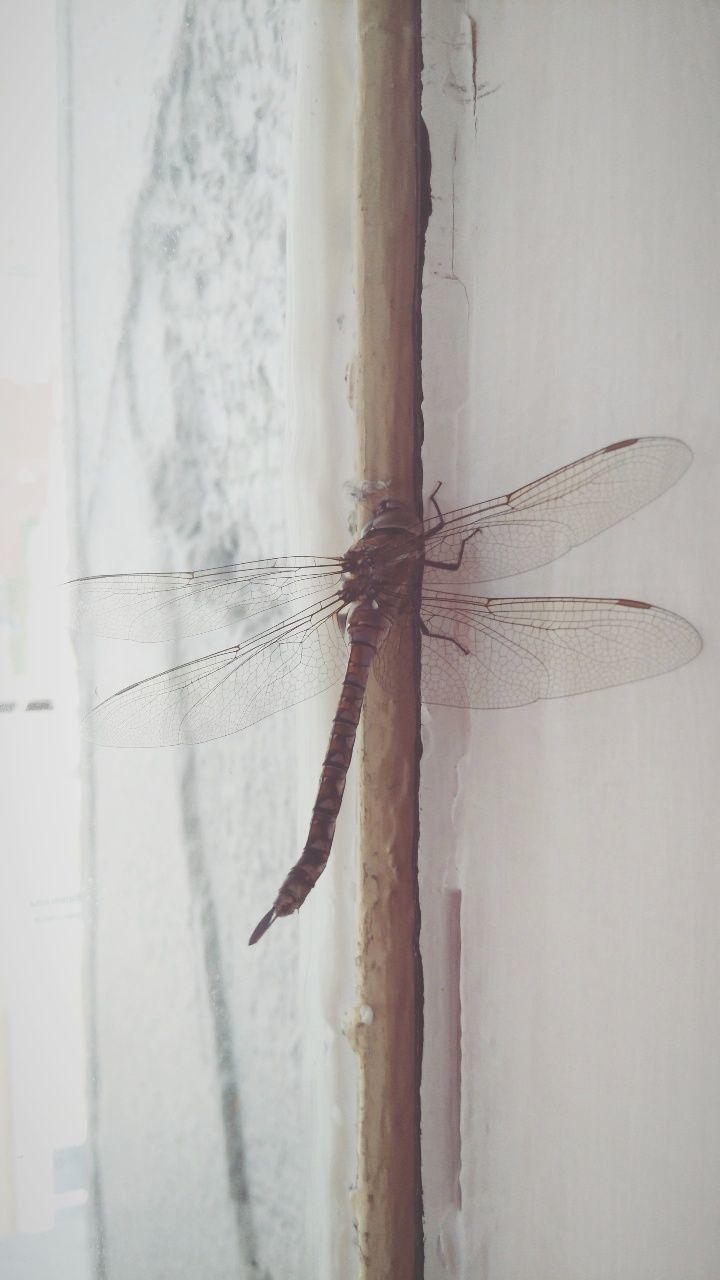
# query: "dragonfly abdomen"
(366, 628)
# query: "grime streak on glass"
(339, 613)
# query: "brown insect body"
(477, 651)
(379, 571)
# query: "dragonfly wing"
(226, 691)
(162, 606)
(506, 652)
(543, 520)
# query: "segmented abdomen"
(366, 629)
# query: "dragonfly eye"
(390, 516)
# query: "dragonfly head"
(391, 514)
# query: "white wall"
(569, 850)
(177, 156)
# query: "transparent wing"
(229, 690)
(160, 606)
(506, 652)
(543, 520)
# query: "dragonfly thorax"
(380, 567)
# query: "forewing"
(506, 652)
(226, 691)
(161, 606)
(543, 520)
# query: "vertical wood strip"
(388, 1030)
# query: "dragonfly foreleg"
(450, 565)
(438, 635)
(445, 564)
(440, 516)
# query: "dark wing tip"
(262, 927)
(620, 444)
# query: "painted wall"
(569, 849)
(177, 158)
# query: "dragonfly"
(334, 616)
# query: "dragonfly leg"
(450, 564)
(438, 635)
(445, 564)
(440, 516)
